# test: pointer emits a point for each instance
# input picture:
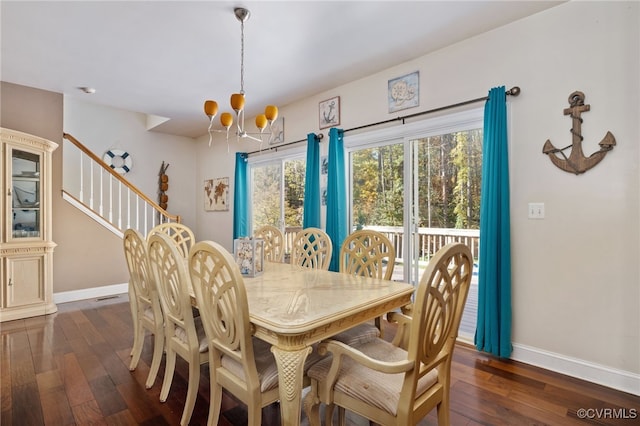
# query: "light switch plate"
(536, 210)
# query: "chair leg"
(342, 418)
(378, 324)
(254, 414)
(158, 348)
(311, 405)
(192, 388)
(134, 308)
(138, 341)
(443, 413)
(215, 400)
(328, 414)
(169, 368)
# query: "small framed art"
(277, 132)
(216, 194)
(404, 92)
(329, 112)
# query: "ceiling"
(165, 58)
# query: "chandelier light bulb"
(211, 109)
(237, 102)
(271, 112)
(226, 119)
(261, 121)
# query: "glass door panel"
(447, 172)
(266, 199)
(278, 196)
(378, 196)
(25, 194)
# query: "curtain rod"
(514, 91)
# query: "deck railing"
(93, 186)
(430, 240)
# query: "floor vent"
(100, 299)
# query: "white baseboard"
(606, 376)
(90, 293)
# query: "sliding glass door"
(420, 185)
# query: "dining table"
(293, 307)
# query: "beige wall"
(87, 255)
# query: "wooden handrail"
(98, 160)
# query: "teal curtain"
(311, 209)
(336, 195)
(241, 198)
(493, 331)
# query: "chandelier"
(237, 101)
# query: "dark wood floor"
(72, 368)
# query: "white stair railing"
(86, 179)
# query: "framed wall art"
(404, 92)
(277, 132)
(216, 194)
(329, 112)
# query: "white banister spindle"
(138, 216)
(91, 187)
(81, 194)
(119, 204)
(110, 199)
(101, 209)
(128, 207)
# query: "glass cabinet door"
(25, 194)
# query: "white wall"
(576, 279)
(101, 128)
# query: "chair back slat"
(367, 253)
(273, 242)
(170, 274)
(312, 248)
(180, 233)
(218, 285)
(135, 250)
(439, 302)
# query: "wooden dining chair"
(366, 253)
(386, 383)
(180, 233)
(145, 303)
(184, 335)
(238, 362)
(273, 242)
(312, 248)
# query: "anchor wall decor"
(577, 162)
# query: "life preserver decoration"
(118, 160)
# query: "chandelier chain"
(242, 57)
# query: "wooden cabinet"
(26, 246)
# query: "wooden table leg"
(290, 378)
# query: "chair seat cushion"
(358, 335)
(378, 389)
(265, 364)
(181, 334)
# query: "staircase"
(95, 188)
